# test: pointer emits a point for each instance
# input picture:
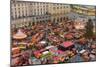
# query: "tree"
(89, 29)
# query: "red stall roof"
(67, 44)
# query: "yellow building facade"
(84, 10)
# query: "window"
(21, 4)
(25, 3)
(41, 12)
(34, 13)
(43, 2)
(37, 3)
(53, 7)
(18, 4)
(41, 9)
(34, 3)
(12, 17)
(15, 12)
(15, 15)
(57, 7)
(22, 13)
(14, 5)
(19, 12)
(30, 3)
(67, 6)
(15, 9)
(26, 13)
(18, 8)
(46, 5)
(57, 3)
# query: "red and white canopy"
(67, 44)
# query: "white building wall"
(21, 12)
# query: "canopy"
(43, 42)
(48, 47)
(82, 51)
(60, 52)
(15, 48)
(19, 35)
(82, 40)
(69, 36)
(93, 46)
(56, 58)
(67, 44)
(37, 54)
(46, 52)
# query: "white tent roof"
(46, 52)
(19, 35)
(43, 42)
(48, 47)
(82, 51)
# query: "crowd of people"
(32, 49)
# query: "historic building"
(89, 11)
(24, 13)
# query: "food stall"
(68, 36)
(16, 51)
(66, 45)
(37, 54)
(46, 54)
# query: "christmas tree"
(89, 29)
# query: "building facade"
(24, 13)
(84, 10)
